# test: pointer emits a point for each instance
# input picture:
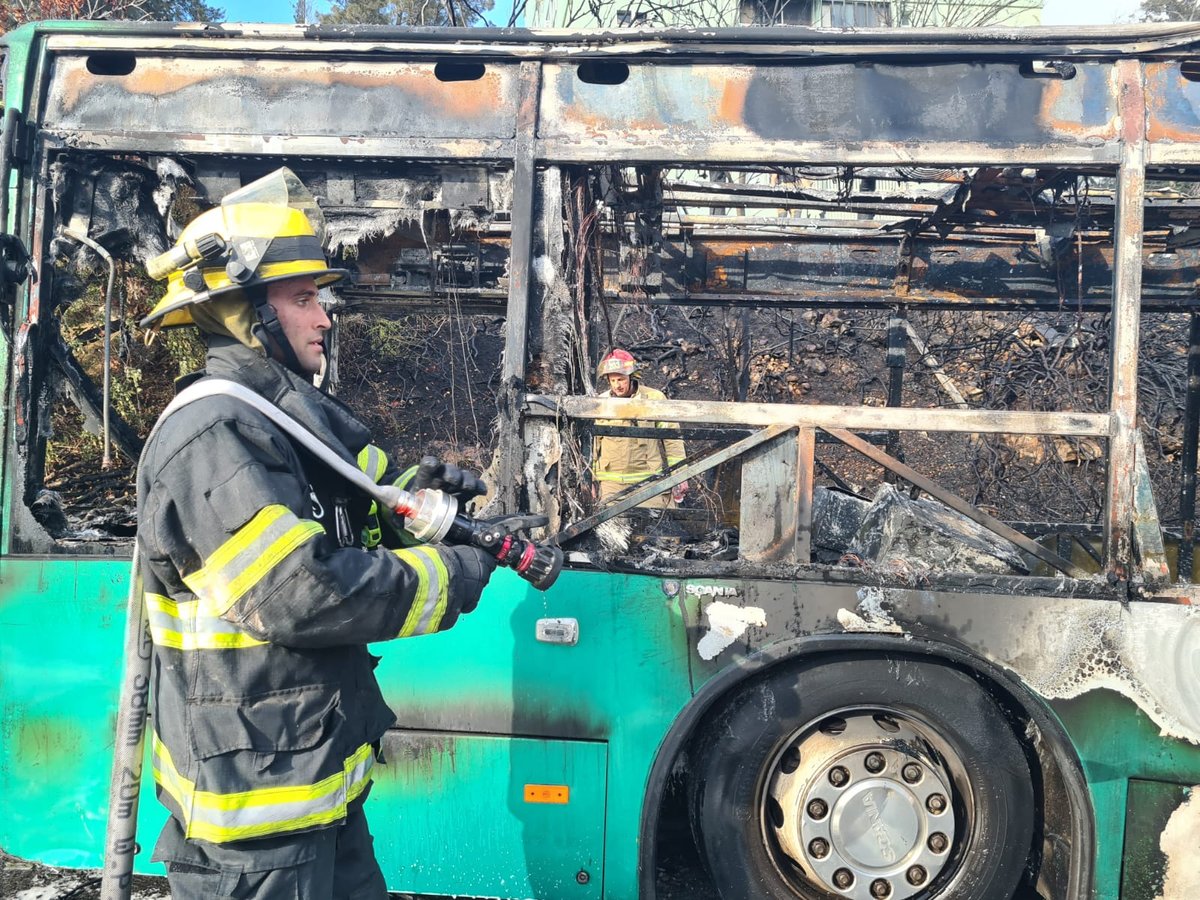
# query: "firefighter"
(618, 462)
(266, 715)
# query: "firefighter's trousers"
(336, 863)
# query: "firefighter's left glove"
(458, 483)
(469, 569)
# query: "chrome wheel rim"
(861, 803)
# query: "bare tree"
(17, 12)
(829, 13)
(1170, 11)
(966, 13)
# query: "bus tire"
(868, 777)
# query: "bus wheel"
(869, 778)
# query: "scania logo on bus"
(878, 829)
(711, 590)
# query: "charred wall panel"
(230, 96)
(848, 103)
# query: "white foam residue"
(869, 615)
(543, 267)
(1149, 652)
(1180, 844)
(727, 623)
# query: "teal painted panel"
(1117, 742)
(449, 816)
(60, 666)
(1149, 807)
(624, 683)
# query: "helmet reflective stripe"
(429, 604)
(238, 815)
(187, 625)
(292, 249)
(271, 242)
(619, 362)
(249, 555)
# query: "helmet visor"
(281, 188)
(275, 199)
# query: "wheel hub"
(863, 807)
(874, 824)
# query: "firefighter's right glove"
(458, 483)
(469, 568)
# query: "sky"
(1055, 12)
(1088, 12)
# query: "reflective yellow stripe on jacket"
(192, 625)
(429, 603)
(221, 818)
(625, 477)
(250, 555)
(373, 462)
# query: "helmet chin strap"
(270, 334)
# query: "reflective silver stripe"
(255, 813)
(187, 625)
(432, 590)
(373, 462)
(249, 555)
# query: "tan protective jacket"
(627, 460)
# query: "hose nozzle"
(430, 515)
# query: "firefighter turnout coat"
(265, 707)
(621, 461)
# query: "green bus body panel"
(590, 716)
(449, 816)
(448, 808)
(1150, 807)
(61, 625)
(1122, 750)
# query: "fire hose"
(428, 515)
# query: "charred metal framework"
(989, 125)
(493, 148)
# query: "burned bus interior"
(937, 325)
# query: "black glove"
(458, 483)
(469, 568)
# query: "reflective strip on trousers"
(429, 604)
(236, 816)
(250, 555)
(189, 625)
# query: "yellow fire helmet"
(269, 230)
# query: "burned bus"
(924, 306)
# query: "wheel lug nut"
(874, 762)
(838, 776)
(819, 848)
(880, 888)
(817, 809)
(938, 842)
(911, 773)
(936, 803)
(915, 876)
(843, 879)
